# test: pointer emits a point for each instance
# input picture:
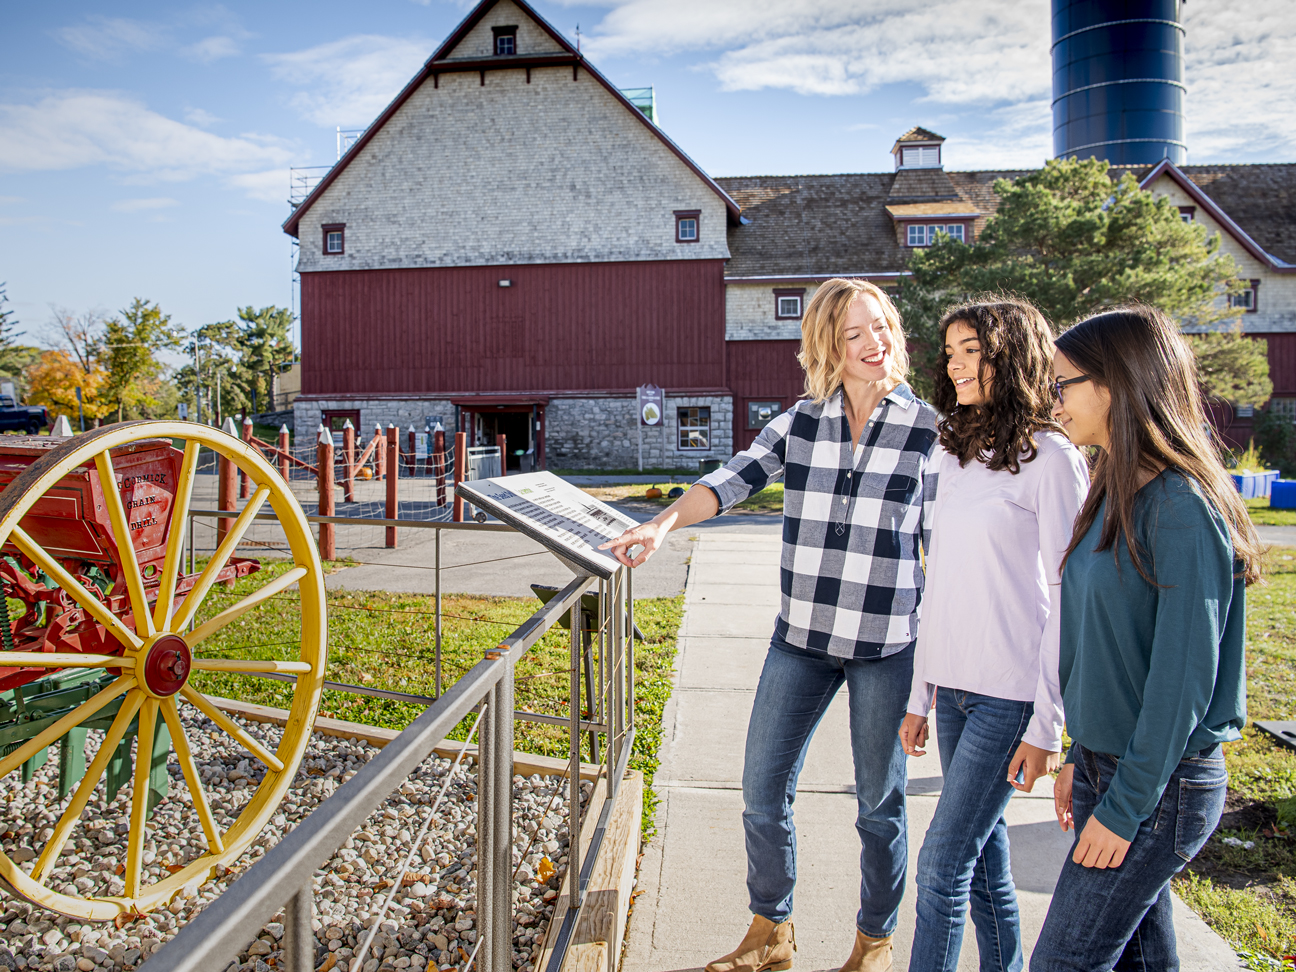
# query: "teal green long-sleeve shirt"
(1150, 673)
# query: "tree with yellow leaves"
(53, 380)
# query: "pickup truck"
(22, 418)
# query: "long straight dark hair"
(1156, 420)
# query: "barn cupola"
(918, 149)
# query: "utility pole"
(198, 416)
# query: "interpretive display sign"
(552, 511)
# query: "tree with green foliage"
(265, 344)
(1072, 241)
(15, 358)
(1233, 368)
(130, 344)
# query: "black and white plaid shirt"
(852, 521)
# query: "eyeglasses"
(1057, 384)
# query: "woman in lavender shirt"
(1010, 487)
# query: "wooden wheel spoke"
(125, 545)
(192, 777)
(176, 536)
(210, 627)
(61, 659)
(251, 665)
(87, 786)
(95, 607)
(197, 699)
(214, 566)
(139, 795)
(70, 721)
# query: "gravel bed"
(432, 921)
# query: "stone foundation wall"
(401, 412)
(580, 433)
(601, 433)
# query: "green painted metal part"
(28, 710)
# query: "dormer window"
(505, 39)
(925, 235)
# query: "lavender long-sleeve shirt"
(991, 611)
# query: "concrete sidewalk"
(694, 902)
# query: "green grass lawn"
(386, 640)
(1248, 895)
(1263, 515)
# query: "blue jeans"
(1120, 918)
(794, 691)
(965, 852)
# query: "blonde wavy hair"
(822, 344)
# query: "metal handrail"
(282, 878)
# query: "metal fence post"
(573, 775)
(437, 575)
(630, 649)
(299, 938)
(495, 827)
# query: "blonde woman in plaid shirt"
(856, 460)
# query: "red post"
(501, 441)
(349, 458)
(226, 486)
(410, 462)
(393, 468)
(245, 484)
(460, 463)
(324, 461)
(380, 454)
(284, 446)
(438, 463)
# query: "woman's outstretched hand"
(913, 733)
(699, 503)
(646, 536)
(1032, 762)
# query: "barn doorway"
(519, 437)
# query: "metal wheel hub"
(167, 665)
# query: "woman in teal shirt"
(1153, 614)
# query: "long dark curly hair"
(1017, 361)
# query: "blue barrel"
(1118, 81)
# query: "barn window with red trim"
(1247, 299)
(787, 303)
(334, 239)
(687, 222)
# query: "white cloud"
(350, 80)
(268, 186)
(1240, 80)
(110, 38)
(201, 117)
(140, 205)
(211, 49)
(72, 129)
(959, 52)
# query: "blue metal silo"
(1118, 81)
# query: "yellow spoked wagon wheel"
(124, 613)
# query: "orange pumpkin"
(653, 493)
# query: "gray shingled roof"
(1260, 198)
(838, 224)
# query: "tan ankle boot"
(869, 954)
(766, 947)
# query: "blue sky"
(145, 147)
